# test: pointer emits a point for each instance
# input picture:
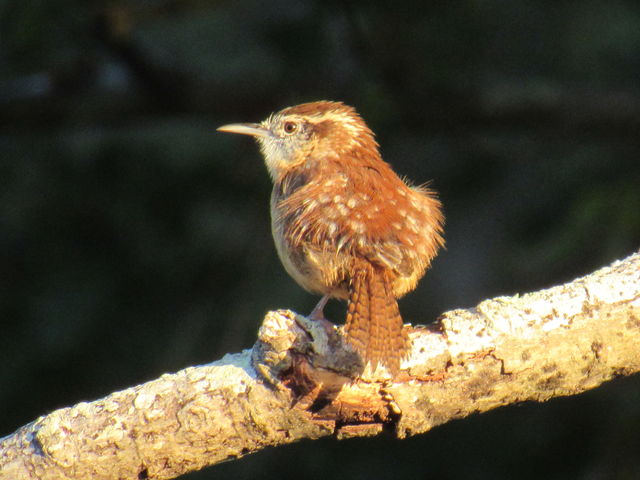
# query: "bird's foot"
(317, 315)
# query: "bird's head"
(311, 132)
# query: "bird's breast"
(317, 270)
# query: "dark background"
(135, 239)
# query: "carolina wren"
(344, 224)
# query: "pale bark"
(560, 341)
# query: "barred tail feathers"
(374, 325)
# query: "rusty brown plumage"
(345, 225)
(374, 325)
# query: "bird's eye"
(290, 127)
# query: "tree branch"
(297, 383)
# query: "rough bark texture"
(297, 383)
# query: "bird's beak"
(253, 129)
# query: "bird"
(345, 225)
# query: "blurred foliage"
(135, 240)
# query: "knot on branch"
(285, 334)
(310, 360)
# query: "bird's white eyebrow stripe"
(346, 121)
